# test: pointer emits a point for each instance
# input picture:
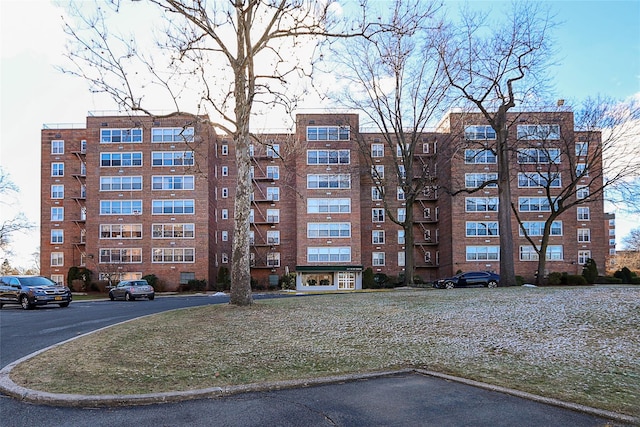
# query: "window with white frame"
(401, 259)
(533, 204)
(252, 237)
(376, 194)
(173, 207)
(58, 278)
(57, 146)
(378, 259)
(483, 253)
(121, 160)
(476, 180)
(224, 236)
(57, 214)
(612, 242)
(335, 181)
(583, 213)
(582, 192)
(57, 169)
(273, 237)
(273, 215)
(329, 254)
(116, 136)
(539, 156)
(479, 132)
(173, 255)
(481, 204)
(120, 255)
(57, 236)
(224, 149)
(377, 172)
(539, 180)
(225, 171)
(328, 133)
(426, 213)
(224, 258)
(224, 192)
(57, 191)
(173, 231)
(584, 235)
(399, 149)
(224, 214)
(172, 182)
(328, 230)
(582, 148)
(402, 214)
(582, 170)
(328, 157)
(479, 156)
(427, 257)
(400, 193)
(172, 158)
(583, 256)
(121, 231)
(273, 193)
(57, 259)
(377, 150)
(554, 253)
(273, 151)
(401, 238)
(172, 134)
(536, 228)
(120, 207)
(273, 259)
(482, 228)
(612, 232)
(120, 183)
(273, 172)
(402, 172)
(328, 206)
(378, 237)
(538, 132)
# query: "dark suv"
(29, 291)
(472, 278)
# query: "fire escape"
(80, 199)
(426, 209)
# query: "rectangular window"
(172, 158)
(377, 215)
(583, 214)
(582, 148)
(273, 151)
(539, 180)
(172, 182)
(224, 214)
(554, 253)
(583, 256)
(173, 231)
(481, 204)
(537, 156)
(328, 230)
(533, 204)
(328, 157)
(121, 160)
(401, 214)
(400, 193)
(173, 255)
(120, 207)
(273, 215)
(376, 194)
(273, 172)
(173, 207)
(224, 236)
(536, 228)
(169, 134)
(401, 259)
(329, 181)
(120, 183)
(273, 237)
(475, 180)
(582, 170)
(57, 236)
(539, 132)
(328, 206)
(401, 238)
(115, 136)
(378, 259)
(121, 256)
(57, 259)
(225, 150)
(224, 192)
(273, 193)
(584, 235)
(57, 191)
(225, 170)
(57, 169)
(483, 253)
(582, 192)
(483, 229)
(329, 254)
(479, 156)
(57, 146)
(328, 133)
(57, 214)
(273, 259)
(121, 231)
(377, 237)
(482, 132)
(377, 150)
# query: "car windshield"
(138, 283)
(36, 281)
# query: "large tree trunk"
(507, 265)
(409, 261)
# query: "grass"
(580, 345)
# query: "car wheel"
(449, 285)
(111, 297)
(64, 304)
(151, 297)
(24, 302)
(128, 297)
(492, 284)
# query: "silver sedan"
(129, 290)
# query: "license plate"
(58, 298)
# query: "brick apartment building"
(129, 196)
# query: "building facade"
(129, 196)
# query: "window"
(224, 192)
(582, 170)
(328, 206)
(378, 237)
(337, 181)
(186, 276)
(173, 231)
(173, 207)
(377, 215)
(225, 170)
(400, 193)
(177, 134)
(426, 213)
(427, 257)
(328, 133)
(377, 259)
(132, 159)
(57, 236)
(402, 214)
(401, 238)
(476, 156)
(57, 146)
(612, 242)
(328, 157)
(224, 258)
(402, 172)
(376, 194)
(583, 214)
(58, 278)
(57, 259)
(57, 169)
(481, 204)
(224, 149)
(377, 150)
(482, 132)
(482, 228)
(533, 204)
(377, 172)
(582, 148)
(120, 207)
(57, 214)
(539, 180)
(554, 253)
(612, 232)
(401, 259)
(120, 183)
(483, 253)
(172, 182)
(224, 236)
(121, 256)
(172, 158)
(541, 132)
(273, 172)
(582, 192)
(57, 191)
(329, 254)
(273, 259)
(539, 156)
(536, 228)
(224, 214)
(273, 237)
(475, 180)
(273, 193)
(173, 255)
(273, 215)
(328, 230)
(584, 235)
(114, 136)
(583, 256)
(273, 151)
(121, 231)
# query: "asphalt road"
(408, 399)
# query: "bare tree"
(226, 58)
(19, 222)
(496, 67)
(632, 241)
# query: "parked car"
(30, 291)
(471, 278)
(129, 290)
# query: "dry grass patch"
(576, 344)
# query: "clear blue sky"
(598, 46)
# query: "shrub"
(520, 281)
(223, 281)
(368, 279)
(576, 280)
(151, 279)
(79, 278)
(625, 275)
(590, 271)
(197, 285)
(554, 279)
(380, 280)
(608, 280)
(288, 281)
